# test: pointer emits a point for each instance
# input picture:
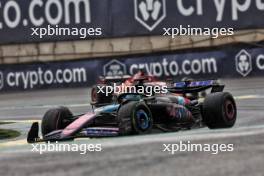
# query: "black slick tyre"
(134, 118)
(219, 110)
(55, 119)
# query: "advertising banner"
(53, 20)
(228, 62)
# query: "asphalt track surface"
(137, 155)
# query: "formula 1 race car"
(134, 113)
(100, 98)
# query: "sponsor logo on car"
(150, 13)
(114, 68)
(243, 63)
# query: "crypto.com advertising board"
(230, 61)
(19, 19)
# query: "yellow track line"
(244, 97)
(20, 121)
(14, 143)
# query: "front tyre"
(134, 118)
(219, 110)
(55, 119)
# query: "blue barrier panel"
(236, 61)
(24, 21)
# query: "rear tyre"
(219, 110)
(134, 118)
(55, 119)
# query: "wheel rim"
(230, 109)
(142, 119)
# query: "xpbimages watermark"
(65, 147)
(120, 89)
(65, 31)
(192, 147)
(195, 31)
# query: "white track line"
(243, 97)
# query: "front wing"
(73, 130)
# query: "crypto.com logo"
(1, 80)
(114, 68)
(150, 13)
(243, 63)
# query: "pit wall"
(71, 50)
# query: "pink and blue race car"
(133, 113)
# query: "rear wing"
(196, 86)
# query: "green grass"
(6, 134)
(4, 123)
